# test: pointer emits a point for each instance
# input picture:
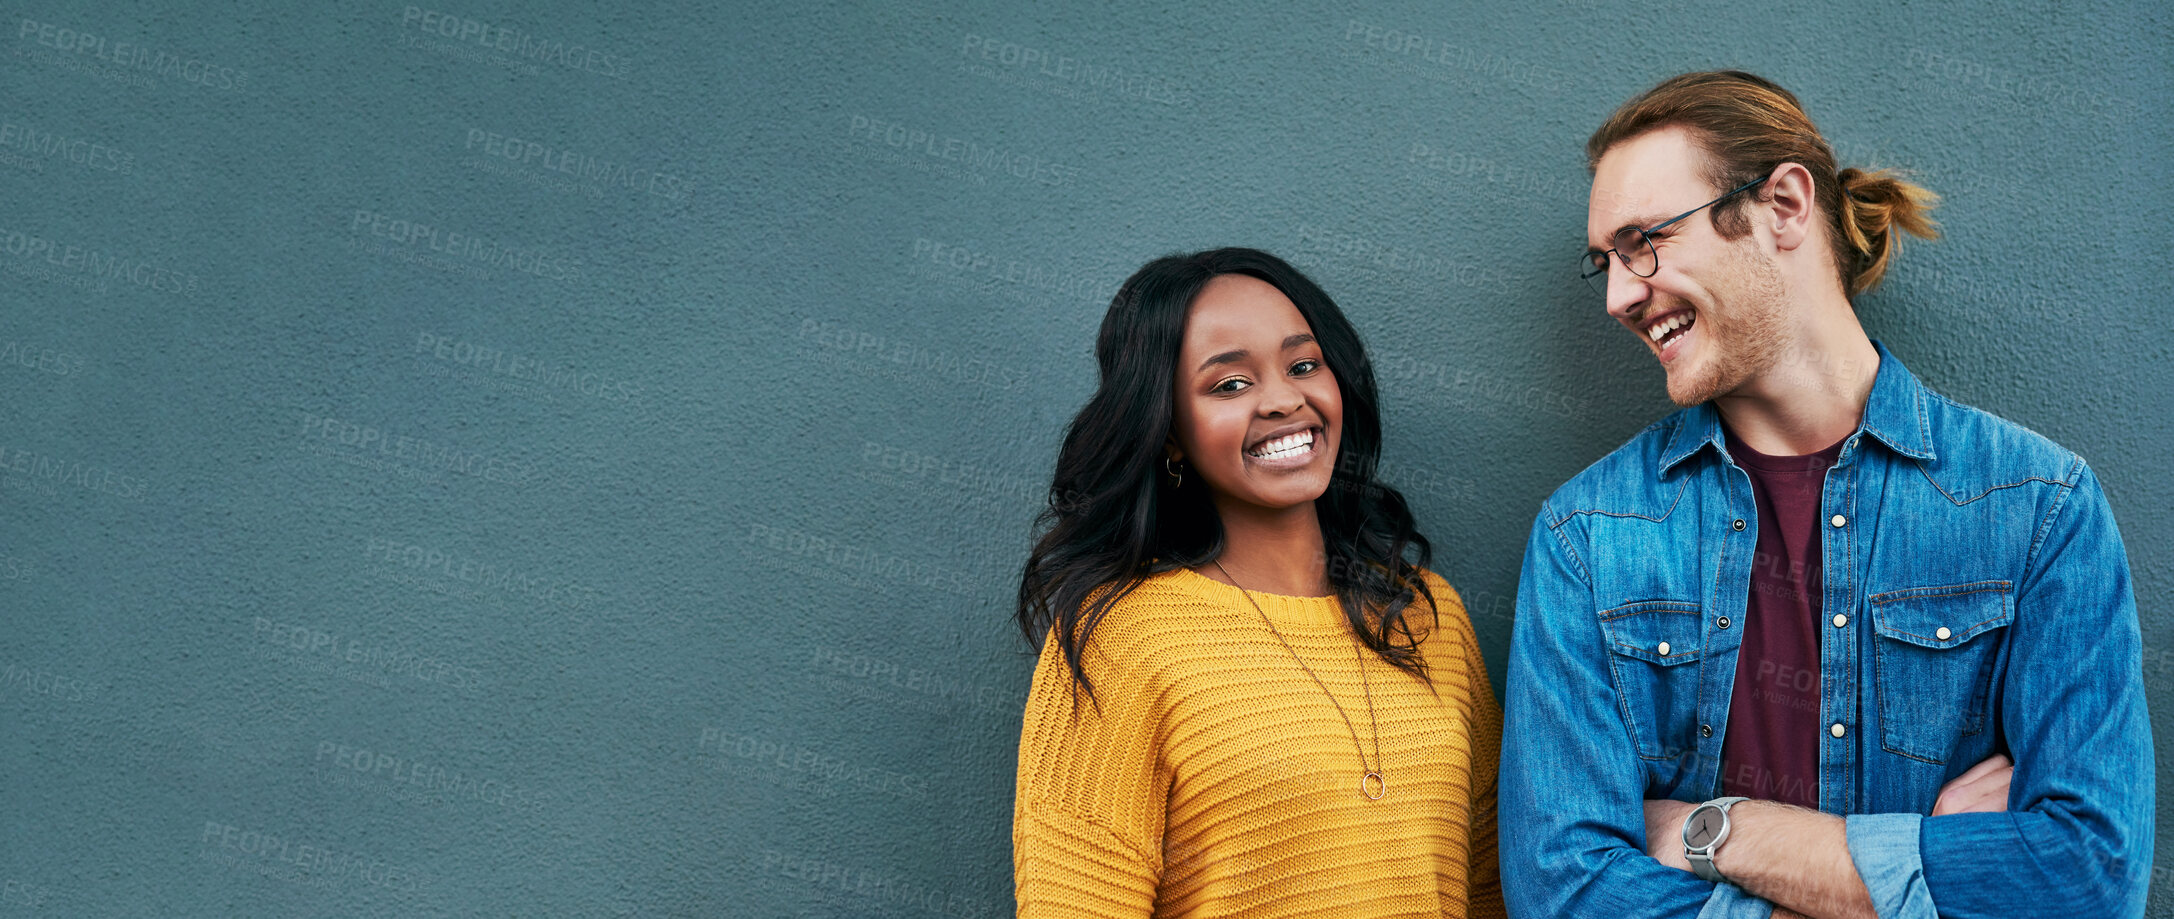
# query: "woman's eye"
(1305, 367)
(1234, 384)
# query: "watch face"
(1704, 825)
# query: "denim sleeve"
(1572, 802)
(1884, 849)
(2076, 839)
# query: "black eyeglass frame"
(1645, 236)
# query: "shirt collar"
(1894, 414)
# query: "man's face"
(1713, 312)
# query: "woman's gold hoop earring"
(1177, 478)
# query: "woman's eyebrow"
(1238, 354)
(1227, 357)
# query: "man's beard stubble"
(1746, 340)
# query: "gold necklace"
(1372, 785)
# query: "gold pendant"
(1377, 788)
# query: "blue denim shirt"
(1976, 601)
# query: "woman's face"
(1258, 413)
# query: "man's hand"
(1664, 831)
(1982, 790)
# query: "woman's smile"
(1285, 449)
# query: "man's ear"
(1789, 197)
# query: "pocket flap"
(1943, 617)
(1641, 630)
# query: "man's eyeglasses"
(1635, 246)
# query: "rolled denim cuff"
(1884, 849)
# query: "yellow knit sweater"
(1217, 780)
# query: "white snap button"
(1840, 620)
(1942, 634)
(1664, 647)
(1838, 520)
(1838, 730)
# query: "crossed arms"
(1799, 859)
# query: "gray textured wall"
(444, 479)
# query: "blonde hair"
(1747, 126)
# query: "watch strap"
(1703, 866)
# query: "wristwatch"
(1704, 832)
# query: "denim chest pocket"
(1935, 649)
(1652, 648)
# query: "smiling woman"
(1287, 713)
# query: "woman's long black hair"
(1113, 519)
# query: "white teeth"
(1287, 445)
(1668, 325)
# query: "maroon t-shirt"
(1771, 750)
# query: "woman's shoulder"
(1156, 604)
(1139, 642)
(1154, 612)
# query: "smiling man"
(1888, 640)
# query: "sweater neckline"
(1282, 609)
